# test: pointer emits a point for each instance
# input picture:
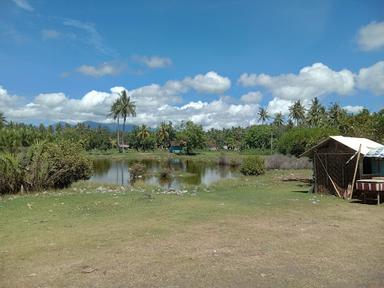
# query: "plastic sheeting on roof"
(376, 153)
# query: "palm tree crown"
(263, 115)
(278, 120)
(123, 107)
(297, 112)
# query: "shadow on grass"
(372, 202)
(301, 191)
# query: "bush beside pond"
(253, 165)
(44, 166)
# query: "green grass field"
(246, 232)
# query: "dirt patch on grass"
(289, 251)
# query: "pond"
(183, 172)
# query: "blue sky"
(213, 62)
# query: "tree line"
(302, 128)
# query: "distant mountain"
(109, 126)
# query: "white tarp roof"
(354, 143)
(351, 142)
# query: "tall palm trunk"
(122, 136)
(118, 132)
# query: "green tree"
(278, 120)
(297, 112)
(163, 135)
(193, 135)
(127, 108)
(3, 121)
(336, 115)
(258, 137)
(263, 115)
(316, 114)
(115, 112)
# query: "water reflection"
(183, 172)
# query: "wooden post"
(354, 174)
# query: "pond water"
(183, 172)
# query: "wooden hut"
(341, 164)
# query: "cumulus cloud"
(155, 103)
(7, 101)
(154, 62)
(277, 105)
(23, 4)
(311, 81)
(51, 99)
(105, 69)
(372, 78)
(210, 82)
(353, 109)
(371, 36)
(251, 97)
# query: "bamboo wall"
(333, 156)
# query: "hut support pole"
(354, 174)
(330, 178)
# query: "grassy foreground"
(248, 232)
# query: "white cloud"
(154, 62)
(312, 81)
(353, 109)
(23, 4)
(251, 97)
(372, 78)
(7, 101)
(371, 36)
(155, 103)
(51, 99)
(277, 105)
(210, 82)
(90, 35)
(105, 69)
(47, 34)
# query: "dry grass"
(251, 232)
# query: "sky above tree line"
(213, 62)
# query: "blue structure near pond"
(176, 147)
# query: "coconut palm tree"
(335, 114)
(3, 121)
(163, 134)
(263, 115)
(278, 120)
(297, 112)
(115, 112)
(142, 133)
(316, 114)
(128, 108)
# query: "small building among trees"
(348, 167)
(176, 147)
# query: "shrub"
(279, 161)
(43, 166)
(11, 176)
(253, 165)
(165, 173)
(137, 170)
(55, 165)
